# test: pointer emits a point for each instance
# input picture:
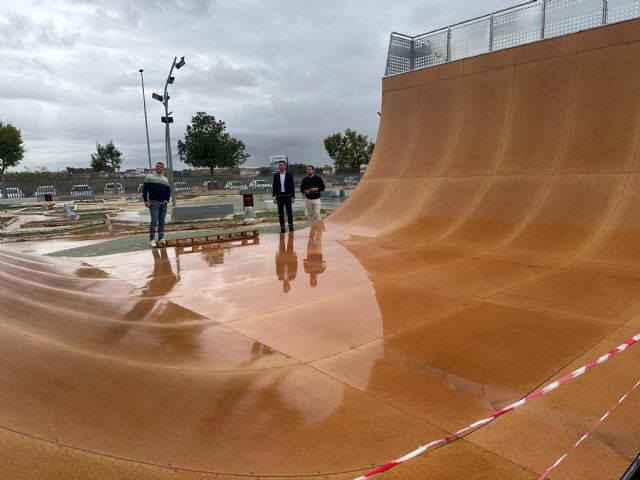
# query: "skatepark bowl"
(492, 247)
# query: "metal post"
(605, 8)
(168, 139)
(544, 19)
(170, 165)
(448, 44)
(146, 125)
(412, 53)
(491, 32)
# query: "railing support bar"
(491, 33)
(544, 19)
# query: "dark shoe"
(282, 230)
(291, 228)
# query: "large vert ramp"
(492, 247)
(514, 178)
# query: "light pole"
(167, 119)
(146, 125)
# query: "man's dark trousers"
(284, 201)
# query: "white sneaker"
(152, 243)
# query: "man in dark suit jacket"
(284, 194)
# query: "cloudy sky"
(282, 74)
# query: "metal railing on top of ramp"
(525, 23)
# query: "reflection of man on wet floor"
(286, 262)
(161, 282)
(313, 264)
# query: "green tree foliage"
(107, 158)
(73, 170)
(350, 150)
(297, 168)
(11, 146)
(208, 144)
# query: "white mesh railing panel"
(470, 39)
(619, 10)
(430, 50)
(399, 60)
(517, 27)
(569, 16)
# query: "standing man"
(311, 187)
(284, 194)
(156, 194)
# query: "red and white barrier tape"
(575, 445)
(538, 393)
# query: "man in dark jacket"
(284, 194)
(311, 187)
(156, 194)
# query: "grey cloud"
(283, 74)
(19, 32)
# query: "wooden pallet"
(202, 240)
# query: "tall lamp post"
(146, 124)
(167, 119)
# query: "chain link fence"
(21, 185)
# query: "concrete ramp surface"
(492, 246)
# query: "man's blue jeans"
(158, 211)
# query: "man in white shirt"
(284, 194)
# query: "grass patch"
(95, 210)
(5, 220)
(48, 233)
(91, 216)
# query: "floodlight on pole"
(146, 124)
(167, 119)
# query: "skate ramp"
(491, 248)
(506, 186)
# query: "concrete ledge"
(299, 205)
(196, 212)
(333, 192)
(18, 201)
(71, 198)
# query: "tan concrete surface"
(492, 246)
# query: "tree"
(11, 146)
(207, 144)
(107, 158)
(350, 150)
(297, 168)
(73, 170)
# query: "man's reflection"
(313, 264)
(286, 262)
(161, 282)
